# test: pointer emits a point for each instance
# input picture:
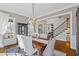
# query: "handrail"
(61, 28)
(59, 33)
(61, 24)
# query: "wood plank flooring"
(2, 50)
(64, 46)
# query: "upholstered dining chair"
(20, 41)
(50, 51)
(25, 43)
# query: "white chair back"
(28, 48)
(20, 41)
(49, 49)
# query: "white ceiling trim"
(57, 10)
(56, 16)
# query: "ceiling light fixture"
(32, 19)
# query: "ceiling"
(25, 9)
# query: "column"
(73, 29)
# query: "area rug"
(14, 52)
(17, 52)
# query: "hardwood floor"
(2, 50)
(59, 45)
(39, 46)
(65, 47)
(11, 46)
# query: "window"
(22, 29)
(40, 28)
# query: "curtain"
(3, 22)
(3, 26)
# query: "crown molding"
(54, 16)
(44, 16)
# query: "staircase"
(64, 28)
(61, 28)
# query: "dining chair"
(26, 44)
(50, 51)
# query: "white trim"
(59, 10)
(55, 15)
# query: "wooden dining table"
(39, 44)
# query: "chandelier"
(32, 19)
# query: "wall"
(18, 19)
(1, 42)
(73, 27)
(56, 21)
(62, 36)
(3, 26)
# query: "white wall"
(72, 23)
(1, 41)
(61, 37)
(3, 26)
(56, 21)
(18, 19)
